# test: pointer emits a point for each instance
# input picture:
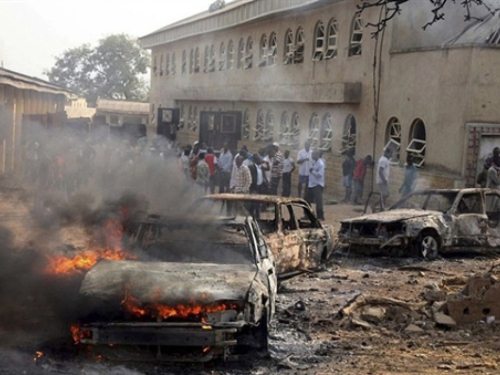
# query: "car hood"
(162, 282)
(392, 215)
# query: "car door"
(493, 213)
(313, 236)
(470, 220)
(290, 254)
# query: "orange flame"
(113, 235)
(78, 334)
(38, 355)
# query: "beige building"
(119, 112)
(292, 70)
(25, 102)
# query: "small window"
(246, 125)
(194, 120)
(295, 131)
(241, 54)
(190, 118)
(326, 136)
(284, 137)
(300, 42)
(222, 59)
(259, 126)
(172, 64)
(211, 63)
(289, 48)
(314, 131)
(197, 60)
(418, 142)
(349, 135)
(230, 55)
(287, 218)
(269, 128)
(155, 65)
(470, 204)
(167, 64)
(191, 61)
(249, 54)
(393, 139)
(161, 64)
(184, 62)
(263, 51)
(319, 42)
(331, 48)
(273, 49)
(356, 36)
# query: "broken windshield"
(428, 200)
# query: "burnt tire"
(428, 244)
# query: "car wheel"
(428, 245)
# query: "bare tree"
(393, 7)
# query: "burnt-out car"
(199, 289)
(297, 239)
(429, 222)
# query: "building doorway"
(219, 128)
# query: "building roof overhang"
(24, 82)
(233, 14)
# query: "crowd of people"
(263, 172)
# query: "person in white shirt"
(383, 173)
(304, 162)
(288, 168)
(316, 184)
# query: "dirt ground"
(309, 335)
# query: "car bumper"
(395, 241)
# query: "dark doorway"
(168, 120)
(218, 128)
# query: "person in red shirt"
(211, 161)
(359, 177)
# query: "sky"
(34, 32)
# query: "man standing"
(317, 183)
(211, 162)
(202, 172)
(493, 172)
(276, 167)
(383, 172)
(288, 168)
(242, 177)
(348, 167)
(303, 160)
(225, 165)
(410, 179)
(359, 177)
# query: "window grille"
(222, 60)
(289, 48)
(418, 143)
(172, 64)
(349, 135)
(319, 42)
(259, 126)
(393, 139)
(356, 36)
(241, 54)
(197, 60)
(263, 51)
(300, 41)
(249, 54)
(184, 62)
(161, 64)
(326, 136)
(331, 48)
(269, 128)
(314, 131)
(284, 136)
(246, 125)
(273, 49)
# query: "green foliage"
(112, 70)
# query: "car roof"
(255, 198)
(193, 220)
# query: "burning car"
(199, 289)
(429, 222)
(297, 239)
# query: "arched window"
(172, 64)
(259, 126)
(417, 143)
(167, 64)
(222, 57)
(284, 137)
(314, 131)
(269, 128)
(206, 59)
(230, 55)
(211, 60)
(246, 125)
(393, 139)
(194, 120)
(197, 60)
(190, 118)
(263, 51)
(319, 42)
(249, 54)
(356, 35)
(331, 45)
(155, 65)
(300, 43)
(161, 64)
(349, 134)
(273, 49)
(241, 54)
(326, 134)
(184, 62)
(295, 130)
(191, 61)
(289, 48)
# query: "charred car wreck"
(429, 222)
(293, 233)
(199, 290)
